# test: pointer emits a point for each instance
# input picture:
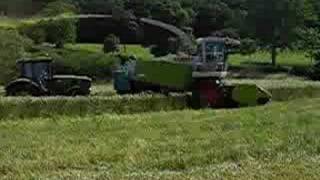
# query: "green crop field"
(277, 141)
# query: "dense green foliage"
(12, 47)
(111, 44)
(275, 24)
(55, 31)
(58, 7)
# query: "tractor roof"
(35, 60)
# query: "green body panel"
(164, 73)
(250, 95)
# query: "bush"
(61, 31)
(111, 44)
(55, 31)
(36, 32)
(248, 46)
(12, 47)
(58, 7)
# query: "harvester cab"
(211, 57)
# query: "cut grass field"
(278, 141)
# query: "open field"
(137, 50)
(274, 141)
(148, 136)
(285, 58)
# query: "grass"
(104, 100)
(278, 141)
(137, 50)
(8, 22)
(285, 58)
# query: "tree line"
(272, 24)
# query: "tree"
(60, 31)
(58, 7)
(170, 12)
(12, 47)
(311, 43)
(212, 16)
(274, 22)
(111, 44)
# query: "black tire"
(77, 92)
(195, 100)
(263, 101)
(22, 90)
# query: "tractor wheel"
(75, 92)
(22, 90)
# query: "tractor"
(203, 74)
(37, 79)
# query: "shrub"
(36, 32)
(60, 31)
(248, 46)
(111, 44)
(12, 47)
(55, 31)
(311, 42)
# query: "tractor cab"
(211, 57)
(38, 70)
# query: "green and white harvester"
(202, 74)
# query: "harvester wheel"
(207, 93)
(263, 101)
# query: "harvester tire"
(263, 101)
(207, 93)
